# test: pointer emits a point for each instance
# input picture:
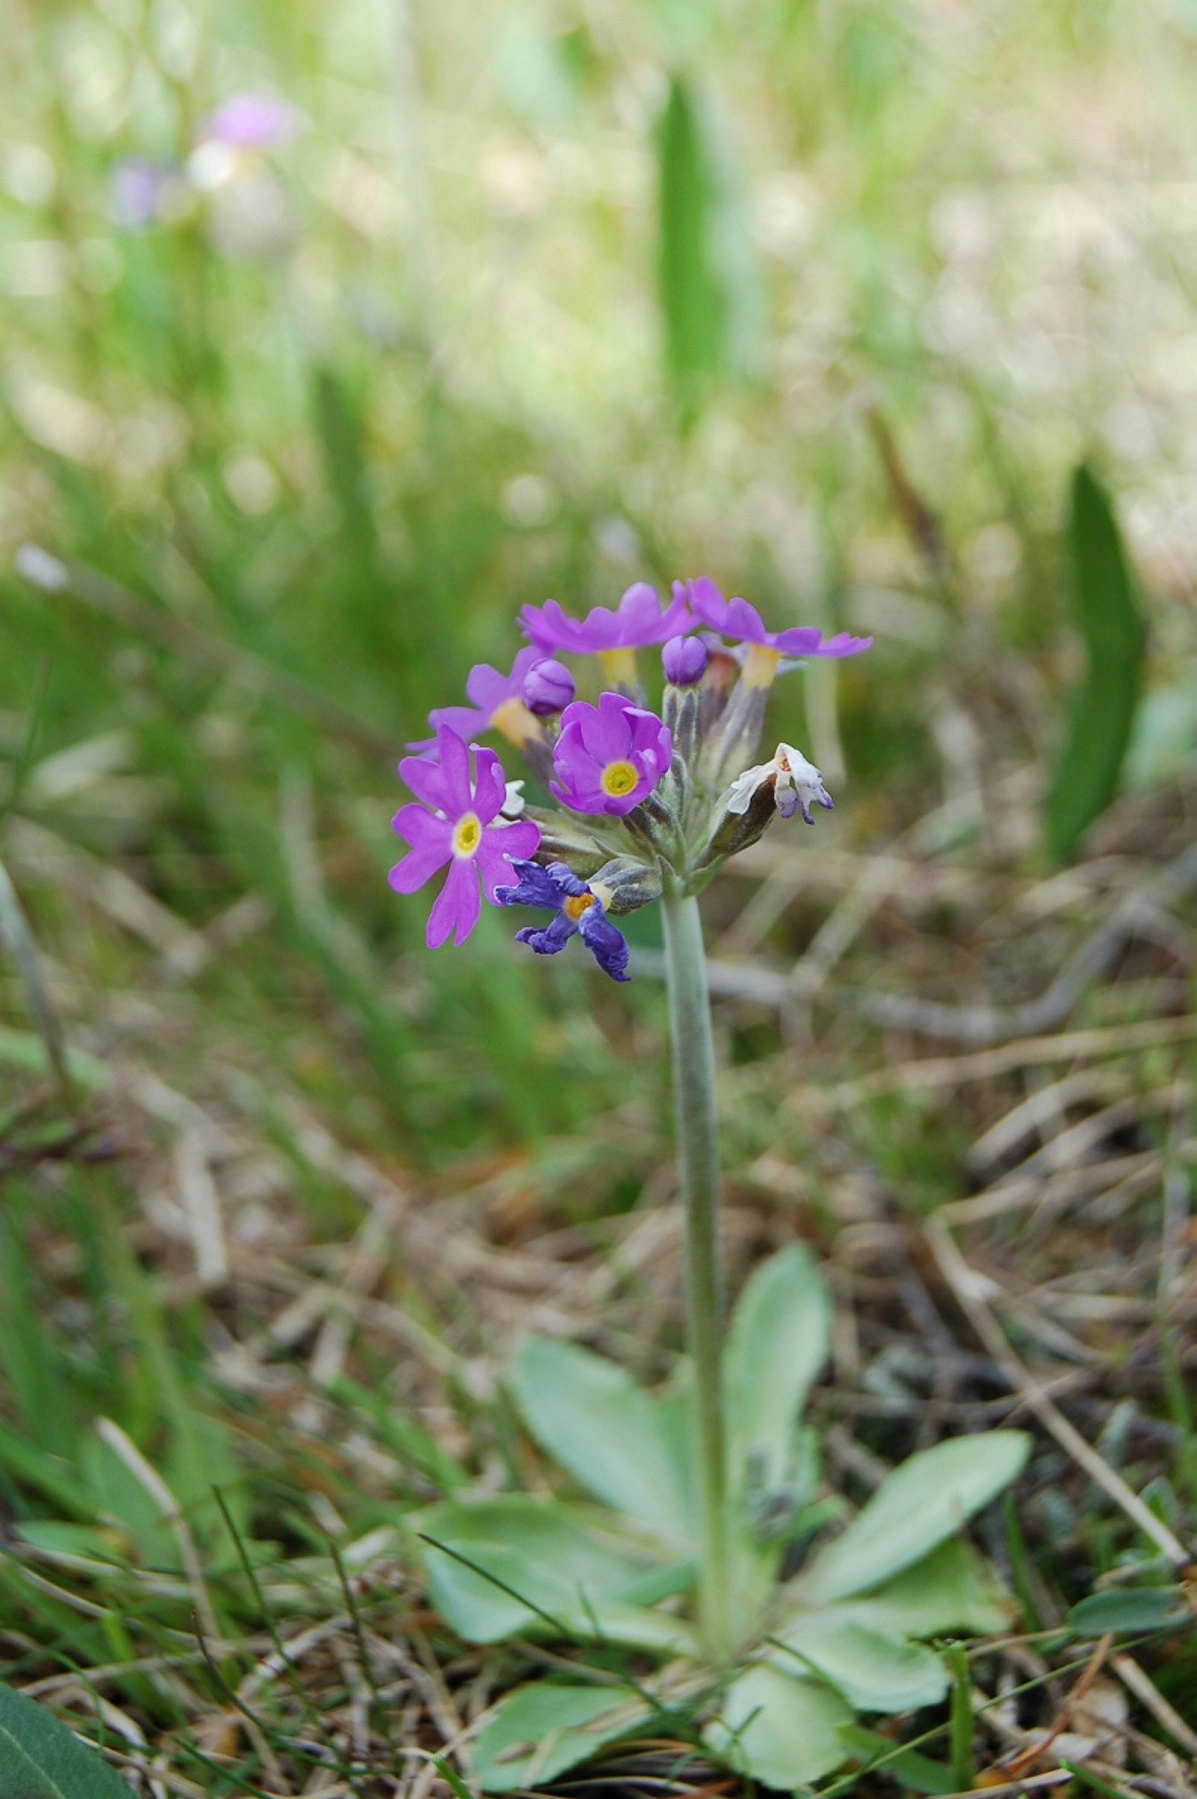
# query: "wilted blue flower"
(578, 909)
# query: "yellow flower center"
(467, 834)
(619, 779)
(576, 904)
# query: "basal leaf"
(778, 1729)
(1103, 708)
(41, 1759)
(777, 1343)
(516, 1564)
(873, 1671)
(925, 1500)
(625, 1447)
(952, 1589)
(542, 1729)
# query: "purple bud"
(548, 688)
(684, 660)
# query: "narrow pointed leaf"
(777, 1343)
(915, 1508)
(693, 299)
(626, 1448)
(542, 1729)
(780, 1730)
(872, 1671)
(41, 1759)
(1103, 708)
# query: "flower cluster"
(650, 801)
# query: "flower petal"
(607, 945)
(499, 846)
(457, 905)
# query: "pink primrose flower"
(458, 822)
(609, 757)
(490, 693)
(637, 621)
(736, 618)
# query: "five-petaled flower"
(612, 634)
(609, 757)
(578, 910)
(738, 620)
(460, 823)
(496, 702)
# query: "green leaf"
(872, 1671)
(41, 1759)
(925, 1500)
(1131, 1608)
(516, 1564)
(1103, 708)
(780, 1730)
(693, 299)
(542, 1729)
(952, 1589)
(777, 1343)
(628, 1449)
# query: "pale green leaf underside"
(41, 1759)
(777, 1343)
(872, 1671)
(626, 1448)
(925, 1500)
(782, 1731)
(542, 1729)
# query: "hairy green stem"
(698, 1171)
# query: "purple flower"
(684, 660)
(548, 688)
(457, 823)
(497, 701)
(578, 910)
(637, 621)
(609, 757)
(736, 618)
(252, 122)
(141, 192)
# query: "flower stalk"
(698, 1174)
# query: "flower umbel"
(578, 911)
(609, 757)
(460, 823)
(650, 805)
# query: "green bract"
(838, 1637)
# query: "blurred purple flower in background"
(144, 192)
(496, 700)
(252, 122)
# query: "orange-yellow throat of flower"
(619, 779)
(576, 904)
(467, 834)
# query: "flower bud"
(684, 660)
(548, 688)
